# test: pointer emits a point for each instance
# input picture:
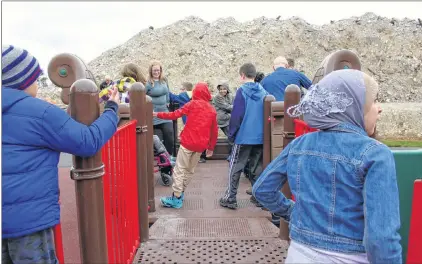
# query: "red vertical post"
(414, 252)
(58, 242)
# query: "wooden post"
(138, 110)
(150, 154)
(267, 130)
(88, 176)
(291, 97)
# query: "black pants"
(241, 154)
(166, 134)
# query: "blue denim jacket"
(346, 193)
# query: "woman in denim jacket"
(344, 182)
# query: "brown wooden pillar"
(88, 176)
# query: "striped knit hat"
(19, 68)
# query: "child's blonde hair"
(134, 71)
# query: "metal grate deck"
(204, 232)
(212, 251)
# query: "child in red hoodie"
(200, 133)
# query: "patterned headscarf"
(341, 96)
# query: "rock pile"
(193, 50)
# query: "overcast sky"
(88, 29)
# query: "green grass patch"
(402, 143)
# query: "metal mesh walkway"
(204, 232)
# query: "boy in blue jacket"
(183, 98)
(246, 131)
(34, 134)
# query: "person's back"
(276, 82)
(248, 128)
(199, 134)
(200, 114)
(246, 132)
(343, 181)
(330, 167)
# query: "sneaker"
(172, 201)
(182, 197)
(249, 191)
(255, 202)
(228, 203)
(202, 160)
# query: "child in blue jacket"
(246, 131)
(183, 98)
(34, 134)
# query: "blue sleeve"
(381, 211)
(237, 114)
(267, 188)
(304, 81)
(263, 81)
(64, 134)
(175, 98)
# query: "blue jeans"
(37, 248)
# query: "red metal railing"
(121, 194)
(414, 253)
(58, 242)
(120, 197)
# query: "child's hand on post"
(114, 96)
(154, 114)
(209, 153)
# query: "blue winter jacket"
(247, 118)
(182, 99)
(34, 134)
(276, 82)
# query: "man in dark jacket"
(107, 82)
(34, 134)
(276, 82)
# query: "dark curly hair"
(259, 77)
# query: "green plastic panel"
(409, 168)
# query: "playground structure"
(113, 199)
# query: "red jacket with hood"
(201, 130)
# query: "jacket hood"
(10, 97)
(201, 92)
(253, 90)
(189, 93)
(225, 84)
